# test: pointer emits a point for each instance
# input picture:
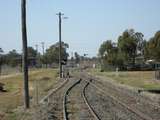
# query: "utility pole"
(36, 48)
(42, 54)
(42, 48)
(60, 43)
(36, 80)
(72, 59)
(25, 54)
(36, 55)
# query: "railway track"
(106, 91)
(55, 104)
(46, 98)
(75, 104)
(51, 107)
(42, 112)
(88, 100)
(132, 113)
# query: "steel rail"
(46, 98)
(151, 103)
(138, 113)
(87, 103)
(65, 100)
(84, 98)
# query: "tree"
(1, 50)
(152, 47)
(52, 53)
(44, 59)
(32, 53)
(108, 52)
(13, 58)
(140, 43)
(1, 60)
(128, 44)
(105, 48)
(77, 57)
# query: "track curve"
(92, 115)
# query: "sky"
(89, 23)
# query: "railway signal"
(25, 53)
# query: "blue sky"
(90, 22)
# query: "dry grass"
(9, 100)
(140, 79)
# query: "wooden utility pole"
(37, 57)
(42, 54)
(60, 43)
(25, 54)
(42, 48)
(36, 81)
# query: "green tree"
(52, 53)
(32, 53)
(152, 47)
(128, 44)
(108, 52)
(140, 43)
(34, 57)
(105, 48)
(13, 58)
(1, 50)
(77, 57)
(1, 60)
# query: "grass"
(46, 79)
(140, 79)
